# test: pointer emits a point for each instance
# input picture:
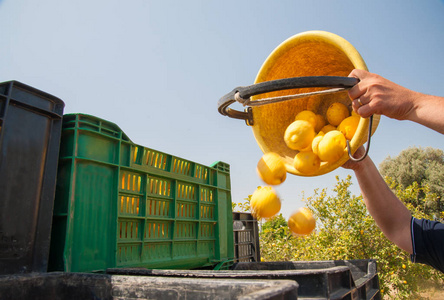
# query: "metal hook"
(370, 126)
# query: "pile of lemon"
(317, 140)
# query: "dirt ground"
(432, 292)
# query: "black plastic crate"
(246, 238)
(341, 279)
(67, 286)
(30, 129)
(335, 279)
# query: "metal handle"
(243, 93)
(370, 125)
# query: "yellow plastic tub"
(312, 53)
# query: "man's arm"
(389, 213)
(377, 95)
(381, 96)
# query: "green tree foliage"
(277, 226)
(277, 236)
(344, 231)
(423, 166)
(242, 206)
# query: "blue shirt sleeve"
(428, 243)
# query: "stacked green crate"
(119, 204)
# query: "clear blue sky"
(158, 68)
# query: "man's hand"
(377, 95)
(352, 165)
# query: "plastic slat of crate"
(147, 208)
(30, 127)
(69, 286)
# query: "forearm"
(389, 213)
(429, 111)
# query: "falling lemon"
(337, 112)
(271, 168)
(302, 222)
(265, 202)
(331, 147)
(299, 135)
(307, 163)
(307, 115)
(348, 126)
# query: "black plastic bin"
(335, 279)
(30, 129)
(67, 286)
(246, 238)
(341, 279)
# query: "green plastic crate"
(119, 204)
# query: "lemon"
(337, 112)
(271, 168)
(315, 143)
(308, 148)
(328, 128)
(299, 135)
(302, 222)
(307, 115)
(355, 113)
(307, 163)
(331, 147)
(348, 126)
(265, 202)
(320, 122)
